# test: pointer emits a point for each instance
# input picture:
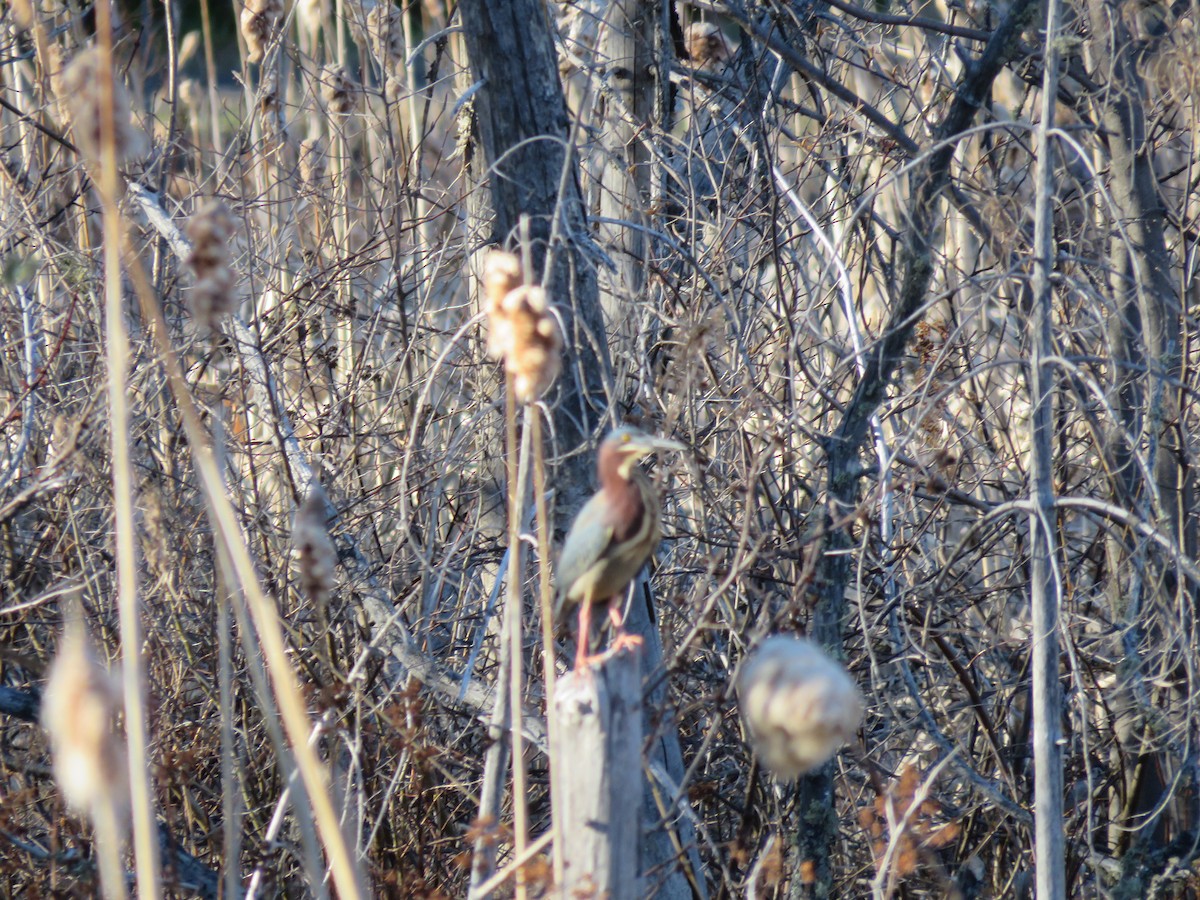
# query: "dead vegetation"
(813, 249)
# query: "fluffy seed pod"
(522, 330)
(535, 356)
(211, 229)
(312, 15)
(311, 162)
(799, 705)
(385, 36)
(79, 89)
(338, 91)
(316, 557)
(23, 13)
(79, 712)
(501, 274)
(260, 19)
(707, 46)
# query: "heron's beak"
(659, 443)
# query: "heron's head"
(624, 446)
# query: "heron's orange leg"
(585, 625)
(621, 640)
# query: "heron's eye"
(625, 439)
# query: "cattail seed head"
(23, 13)
(522, 330)
(385, 36)
(79, 712)
(338, 91)
(259, 20)
(311, 162)
(707, 46)
(799, 705)
(312, 547)
(79, 89)
(536, 352)
(211, 230)
(312, 15)
(501, 274)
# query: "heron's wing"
(589, 537)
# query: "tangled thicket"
(340, 209)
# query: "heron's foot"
(625, 642)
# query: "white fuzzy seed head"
(707, 46)
(79, 89)
(385, 35)
(315, 555)
(79, 712)
(259, 20)
(535, 355)
(338, 90)
(501, 274)
(522, 330)
(799, 705)
(211, 230)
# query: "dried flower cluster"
(522, 330)
(259, 19)
(79, 89)
(707, 46)
(312, 548)
(799, 705)
(211, 229)
(925, 827)
(79, 712)
(338, 90)
(385, 36)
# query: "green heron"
(613, 535)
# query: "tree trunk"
(520, 121)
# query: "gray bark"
(520, 101)
(626, 56)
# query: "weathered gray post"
(597, 776)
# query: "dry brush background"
(796, 236)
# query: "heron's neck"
(624, 502)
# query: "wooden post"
(597, 776)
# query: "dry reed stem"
(546, 601)
(343, 866)
(517, 458)
(145, 833)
